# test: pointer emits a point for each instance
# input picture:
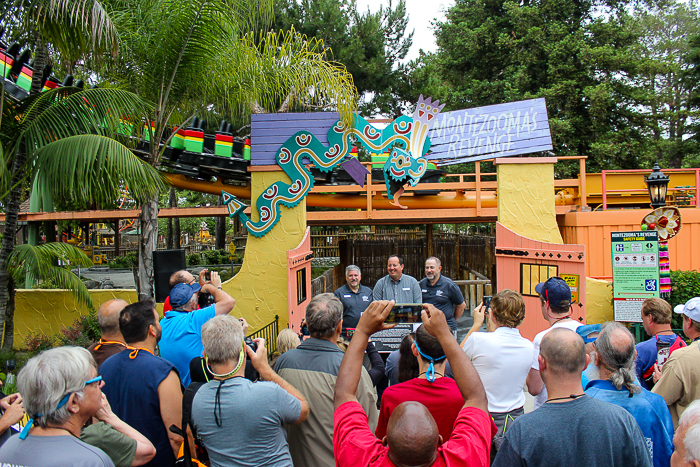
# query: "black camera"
(249, 342)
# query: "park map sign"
(635, 258)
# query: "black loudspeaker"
(165, 263)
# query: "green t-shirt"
(119, 447)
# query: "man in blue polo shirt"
(182, 326)
(442, 292)
(354, 297)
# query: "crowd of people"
(160, 391)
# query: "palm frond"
(37, 262)
(284, 63)
(94, 168)
(74, 27)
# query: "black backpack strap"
(187, 400)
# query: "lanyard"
(101, 343)
(135, 352)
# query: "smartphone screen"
(405, 313)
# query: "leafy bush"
(194, 259)
(216, 257)
(684, 286)
(84, 331)
(127, 261)
(38, 342)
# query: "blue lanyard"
(430, 374)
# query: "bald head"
(108, 319)
(564, 352)
(180, 277)
(412, 435)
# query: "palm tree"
(190, 56)
(63, 139)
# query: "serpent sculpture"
(406, 137)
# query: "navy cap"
(181, 294)
(555, 291)
(588, 329)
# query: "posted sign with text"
(635, 258)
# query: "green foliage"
(217, 257)
(38, 342)
(37, 262)
(194, 259)
(128, 261)
(369, 44)
(684, 286)
(84, 331)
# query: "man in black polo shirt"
(441, 292)
(354, 297)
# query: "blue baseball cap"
(555, 291)
(181, 294)
(588, 329)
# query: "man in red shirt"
(439, 394)
(412, 438)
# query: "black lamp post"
(657, 183)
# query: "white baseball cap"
(691, 309)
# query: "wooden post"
(117, 239)
(478, 188)
(429, 240)
(583, 191)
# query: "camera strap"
(430, 374)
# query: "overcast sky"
(420, 14)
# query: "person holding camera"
(502, 357)
(241, 422)
(182, 326)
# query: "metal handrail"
(269, 333)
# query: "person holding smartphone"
(502, 357)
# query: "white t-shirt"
(502, 358)
(571, 324)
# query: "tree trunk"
(220, 229)
(40, 55)
(147, 245)
(172, 203)
(7, 286)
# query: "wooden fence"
(463, 257)
(328, 281)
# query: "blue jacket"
(650, 411)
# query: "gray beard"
(592, 373)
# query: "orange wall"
(593, 230)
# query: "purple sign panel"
(488, 132)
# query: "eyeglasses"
(61, 403)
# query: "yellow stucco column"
(526, 197)
(260, 287)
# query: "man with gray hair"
(238, 421)
(312, 368)
(60, 391)
(571, 428)
(354, 296)
(613, 380)
(687, 438)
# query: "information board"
(635, 261)
(390, 339)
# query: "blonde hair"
(286, 340)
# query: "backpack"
(184, 458)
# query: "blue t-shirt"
(650, 411)
(444, 295)
(646, 354)
(131, 387)
(181, 338)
